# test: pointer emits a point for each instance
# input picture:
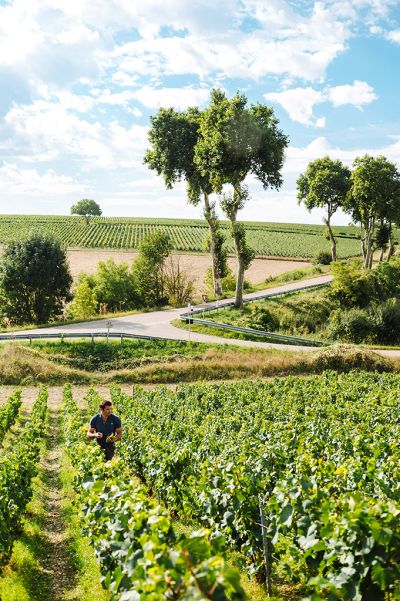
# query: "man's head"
(106, 407)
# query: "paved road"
(157, 323)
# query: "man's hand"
(111, 438)
(99, 435)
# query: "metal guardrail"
(264, 333)
(120, 335)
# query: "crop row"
(8, 412)
(140, 555)
(18, 467)
(280, 240)
(319, 457)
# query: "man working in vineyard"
(106, 428)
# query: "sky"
(80, 79)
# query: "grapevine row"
(320, 455)
(281, 240)
(140, 555)
(18, 467)
(8, 412)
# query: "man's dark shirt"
(105, 427)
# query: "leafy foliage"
(34, 280)
(87, 208)
(148, 269)
(140, 555)
(322, 452)
(8, 412)
(17, 468)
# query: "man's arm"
(91, 433)
(118, 434)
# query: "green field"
(187, 235)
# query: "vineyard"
(298, 477)
(268, 239)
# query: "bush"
(262, 318)
(386, 318)
(345, 358)
(353, 286)
(353, 325)
(228, 282)
(322, 258)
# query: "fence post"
(92, 339)
(122, 337)
(62, 338)
(267, 555)
(30, 340)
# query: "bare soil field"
(195, 265)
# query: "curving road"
(158, 323)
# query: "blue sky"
(80, 79)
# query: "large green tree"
(173, 136)
(374, 197)
(87, 208)
(237, 140)
(35, 280)
(325, 184)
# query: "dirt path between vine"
(57, 562)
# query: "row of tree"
(215, 149)
(370, 193)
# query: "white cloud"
(299, 102)
(48, 131)
(14, 180)
(358, 94)
(179, 98)
(394, 36)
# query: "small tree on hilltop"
(87, 208)
(35, 280)
(325, 184)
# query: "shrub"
(345, 358)
(353, 325)
(228, 282)
(322, 258)
(386, 318)
(262, 318)
(352, 286)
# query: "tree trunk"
(391, 247)
(240, 273)
(381, 255)
(331, 236)
(368, 226)
(209, 214)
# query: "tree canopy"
(173, 136)
(325, 184)
(34, 280)
(374, 197)
(235, 141)
(87, 208)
